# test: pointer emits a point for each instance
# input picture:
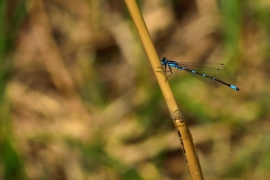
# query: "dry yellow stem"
(179, 121)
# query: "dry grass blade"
(184, 134)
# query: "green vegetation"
(78, 99)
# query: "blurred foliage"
(78, 99)
(11, 18)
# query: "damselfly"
(205, 72)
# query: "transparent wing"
(207, 80)
(209, 68)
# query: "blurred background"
(79, 100)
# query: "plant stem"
(179, 121)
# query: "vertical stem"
(154, 59)
(179, 121)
